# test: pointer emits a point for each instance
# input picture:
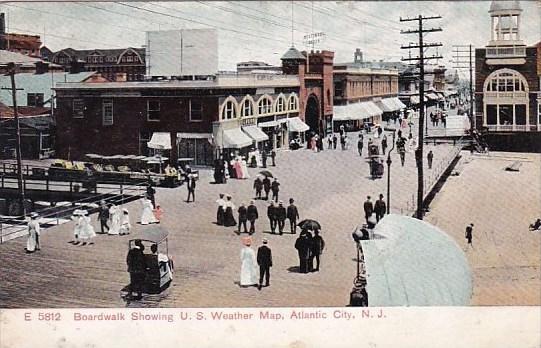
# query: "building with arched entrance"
(507, 81)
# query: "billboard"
(182, 52)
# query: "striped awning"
(371, 108)
(235, 139)
(297, 125)
(255, 133)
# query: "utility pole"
(421, 62)
(12, 69)
(463, 59)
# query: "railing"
(51, 215)
(514, 128)
(506, 52)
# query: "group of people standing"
(309, 248)
(379, 208)
(249, 263)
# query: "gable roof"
(82, 54)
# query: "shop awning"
(371, 108)
(353, 111)
(416, 100)
(387, 105)
(160, 141)
(194, 135)
(297, 125)
(267, 124)
(432, 96)
(398, 103)
(255, 133)
(235, 139)
(340, 113)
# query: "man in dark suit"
(243, 217)
(137, 268)
(264, 158)
(271, 214)
(258, 186)
(267, 187)
(273, 157)
(264, 260)
(302, 244)
(191, 187)
(318, 244)
(252, 215)
(368, 208)
(103, 216)
(150, 194)
(292, 215)
(281, 217)
(380, 208)
(275, 187)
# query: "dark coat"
(136, 261)
(380, 206)
(275, 187)
(191, 184)
(271, 212)
(303, 246)
(469, 231)
(292, 212)
(258, 184)
(103, 213)
(267, 184)
(264, 256)
(318, 244)
(368, 208)
(252, 212)
(360, 143)
(243, 213)
(150, 191)
(281, 213)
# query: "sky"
(263, 30)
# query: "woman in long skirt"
(115, 216)
(77, 217)
(125, 226)
(147, 215)
(33, 234)
(229, 219)
(244, 167)
(86, 229)
(248, 268)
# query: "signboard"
(314, 38)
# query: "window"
(107, 112)
(229, 112)
(506, 80)
(153, 110)
(34, 99)
(247, 108)
(264, 106)
(129, 59)
(280, 104)
(196, 110)
(78, 108)
(293, 105)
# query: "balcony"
(506, 52)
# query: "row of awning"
(431, 96)
(365, 110)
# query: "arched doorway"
(311, 114)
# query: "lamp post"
(389, 161)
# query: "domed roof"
(293, 53)
(410, 262)
(502, 5)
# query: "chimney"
(2, 23)
(42, 67)
(358, 56)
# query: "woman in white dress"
(33, 234)
(248, 268)
(244, 166)
(147, 215)
(86, 229)
(115, 216)
(125, 226)
(77, 217)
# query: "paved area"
(329, 186)
(505, 258)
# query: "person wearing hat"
(221, 210)
(264, 260)
(318, 244)
(151, 192)
(266, 187)
(77, 217)
(125, 226)
(243, 217)
(380, 208)
(368, 208)
(191, 187)
(258, 186)
(281, 217)
(229, 219)
(137, 268)
(271, 214)
(252, 215)
(275, 188)
(248, 270)
(469, 234)
(32, 242)
(292, 215)
(86, 229)
(103, 216)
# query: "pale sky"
(262, 30)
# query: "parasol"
(266, 173)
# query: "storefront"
(197, 146)
(296, 128)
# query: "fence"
(52, 216)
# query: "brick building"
(20, 43)
(507, 82)
(113, 64)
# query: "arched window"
(264, 105)
(229, 109)
(247, 107)
(280, 104)
(293, 102)
(506, 80)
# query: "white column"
(514, 117)
(497, 116)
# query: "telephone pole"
(421, 45)
(463, 59)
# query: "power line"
(465, 56)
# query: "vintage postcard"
(270, 173)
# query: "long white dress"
(244, 166)
(78, 225)
(248, 269)
(86, 228)
(115, 216)
(147, 216)
(33, 233)
(125, 226)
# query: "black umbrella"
(266, 173)
(309, 224)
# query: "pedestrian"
(264, 260)
(136, 267)
(147, 215)
(266, 187)
(275, 187)
(346, 142)
(343, 142)
(191, 188)
(313, 143)
(158, 213)
(252, 215)
(151, 192)
(229, 219)
(310, 256)
(384, 143)
(248, 270)
(329, 142)
(469, 234)
(271, 214)
(258, 186)
(34, 231)
(125, 225)
(368, 208)
(444, 121)
(281, 217)
(320, 143)
(334, 141)
(380, 208)
(115, 214)
(318, 244)
(292, 215)
(273, 157)
(429, 158)
(103, 216)
(243, 217)
(264, 158)
(401, 145)
(220, 212)
(360, 146)
(86, 229)
(302, 246)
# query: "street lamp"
(389, 161)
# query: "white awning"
(267, 124)
(371, 108)
(194, 135)
(398, 103)
(387, 105)
(353, 111)
(255, 133)
(160, 141)
(235, 139)
(432, 96)
(297, 125)
(416, 100)
(340, 113)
